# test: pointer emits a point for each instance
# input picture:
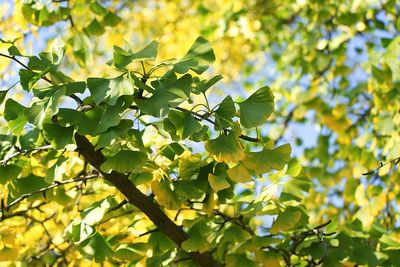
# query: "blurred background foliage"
(333, 66)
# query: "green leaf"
(197, 240)
(188, 189)
(85, 123)
(294, 189)
(286, 220)
(141, 178)
(13, 51)
(14, 114)
(195, 243)
(265, 160)
(226, 148)
(123, 57)
(79, 231)
(200, 136)
(239, 173)
(111, 89)
(131, 252)
(98, 88)
(256, 109)
(119, 131)
(95, 212)
(184, 123)
(95, 28)
(58, 136)
(110, 118)
(389, 243)
(166, 95)
(97, 248)
(8, 172)
(97, 8)
(26, 185)
(235, 234)
(189, 165)
(198, 58)
(69, 89)
(42, 108)
(269, 258)
(125, 161)
(204, 85)
(238, 260)
(218, 182)
(225, 112)
(3, 96)
(165, 196)
(171, 150)
(111, 19)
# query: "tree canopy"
(200, 133)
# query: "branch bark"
(141, 201)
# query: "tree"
(112, 152)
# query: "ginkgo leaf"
(165, 196)
(204, 85)
(256, 109)
(166, 94)
(94, 28)
(124, 57)
(225, 112)
(119, 131)
(269, 258)
(236, 260)
(132, 252)
(14, 114)
(95, 212)
(195, 243)
(265, 160)
(125, 161)
(235, 234)
(239, 173)
(199, 56)
(225, 148)
(218, 182)
(286, 220)
(185, 124)
(109, 89)
(58, 136)
(97, 248)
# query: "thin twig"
(53, 185)
(205, 117)
(395, 161)
(25, 152)
(14, 58)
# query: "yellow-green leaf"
(265, 160)
(226, 148)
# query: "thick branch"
(140, 200)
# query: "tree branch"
(204, 117)
(53, 185)
(395, 161)
(141, 201)
(14, 58)
(25, 152)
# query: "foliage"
(117, 146)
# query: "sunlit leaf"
(266, 159)
(225, 148)
(125, 161)
(256, 109)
